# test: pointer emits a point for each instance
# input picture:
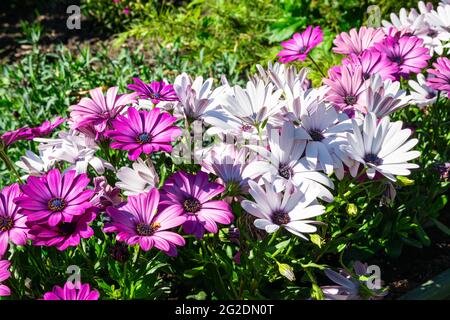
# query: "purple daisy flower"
(12, 224)
(55, 198)
(156, 91)
(9, 137)
(46, 127)
(140, 221)
(4, 275)
(64, 234)
(143, 132)
(356, 42)
(191, 196)
(347, 89)
(72, 291)
(407, 52)
(95, 114)
(441, 72)
(300, 45)
(373, 62)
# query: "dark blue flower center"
(397, 59)
(246, 128)
(280, 217)
(302, 50)
(373, 159)
(6, 223)
(67, 228)
(143, 138)
(350, 100)
(56, 204)
(191, 205)
(155, 95)
(145, 229)
(316, 135)
(285, 171)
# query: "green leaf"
(316, 239)
(199, 296)
(441, 226)
(404, 181)
(193, 272)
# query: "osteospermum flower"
(407, 52)
(64, 234)
(139, 179)
(143, 132)
(93, 115)
(373, 62)
(300, 45)
(421, 94)
(36, 165)
(441, 73)
(347, 89)
(55, 197)
(356, 42)
(72, 291)
(46, 127)
(140, 221)
(191, 196)
(12, 224)
(156, 91)
(382, 147)
(10, 137)
(291, 210)
(4, 275)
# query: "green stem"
(10, 165)
(317, 66)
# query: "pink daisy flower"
(300, 45)
(156, 91)
(64, 234)
(373, 62)
(9, 137)
(46, 127)
(72, 291)
(140, 221)
(191, 196)
(347, 89)
(4, 275)
(96, 113)
(441, 72)
(357, 42)
(55, 198)
(407, 52)
(12, 224)
(143, 132)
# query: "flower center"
(285, 171)
(350, 100)
(155, 95)
(280, 217)
(316, 135)
(6, 223)
(144, 229)
(191, 205)
(373, 159)
(246, 128)
(366, 75)
(143, 138)
(397, 59)
(56, 204)
(67, 228)
(302, 50)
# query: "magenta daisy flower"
(143, 132)
(64, 234)
(4, 275)
(140, 221)
(191, 196)
(373, 62)
(96, 113)
(12, 224)
(72, 291)
(46, 127)
(347, 89)
(9, 137)
(407, 52)
(156, 91)
(441, 72)
(55, 198)
(300, 45)
(356, 42)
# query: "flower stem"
(317, 66)
(10, 165)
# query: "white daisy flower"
(77, 149)
(382, 147)
(421, 94)
(284, 162)
(139, 179)
(291, 210)
(325, 131)
(36, 165)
